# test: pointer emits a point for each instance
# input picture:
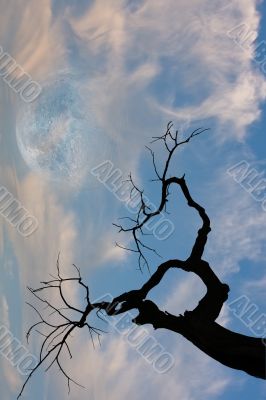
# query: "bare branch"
(144, 213)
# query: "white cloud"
(139, 63)
(201, 58)
(56, 229)
(117, 371)
(31, 36)
(4, 312)
(238, 226)
(10, 374)
(255, 289)
(257, 284)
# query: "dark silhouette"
(198, 326)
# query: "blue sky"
(112, 75)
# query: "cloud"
(238, 223)
(141, 64)
(32, 37)
(257, 284)
(5, 312)
(10, 374)
(126, 374)
(183, 51)
(255, 289)
(115, 370)
(56, 229)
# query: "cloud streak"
(140, 64)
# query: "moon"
(56, 134)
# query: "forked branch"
(171, 142)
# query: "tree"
(232, 349)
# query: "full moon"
(56, 133)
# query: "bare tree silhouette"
(232, 349)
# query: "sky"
(110, 75)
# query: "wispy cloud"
(185, 44)
(123, 369)
(140, 64)
(10, 373)
(238, 226)
(35, 42)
